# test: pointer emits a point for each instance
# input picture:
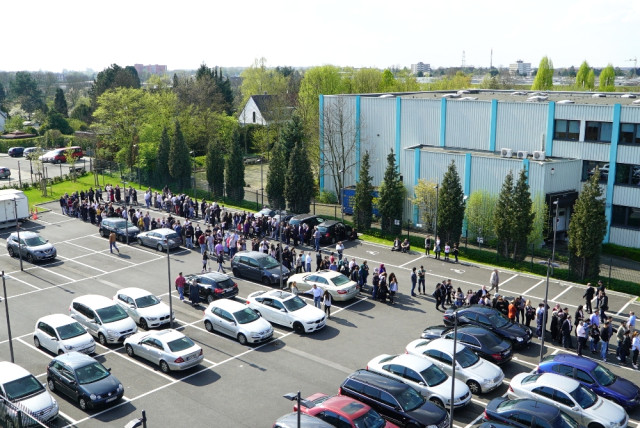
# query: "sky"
(79, 34)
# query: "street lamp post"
(169, 277)
(435, 235)
(295, 396)
(555, 230)
(280, 252)
(15, 211)
(126, 218)
(550, 265)
(6, 308)
(261, 182)
(453, 367)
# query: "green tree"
(234, 170)
(544, 76)
(292, 134)
(60, 103)
(591, 79)
(541, 213)
(215, 169)
(503, 218)
(391, 197)
(523, 216)
(299, 185)
(56, 120)
(82, 112)
(582, 77)
(367, 80)
(450, 206)
(24, 89)
(363, 200)
(3, 95)
(276, 177)
(607, 79)
(388, 81)
(258, 79)
(112, 78)
(162, 159)
(587, 229)
(179, 159)
(480, 213)
(425, 199)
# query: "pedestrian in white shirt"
(317, 296)
(581, 332)
(339, 249)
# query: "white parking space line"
(555, 299)
(24, 282)
(310, 357)
(67, 417)
(80, 263)
(525, 362)
(129, 246)
(509, 279)
(475, 421)
(412, 261)
(626, 305)
(126, 356)
(24, 342)
(531, 288)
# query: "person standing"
(180, 280)
(594, 333)
(308, 261)
(339, 249)
(603, 304)
(540, 321)
(626, 347)
(437, 294)
(529, 312)
(579, 315)
(220, 260)
(494, 280)
(414, 281)
(318, 260)
(205, 260)
(427, 246)
(632, 322)
(582, 337)
(566, 333)
(635, 349)
(437, 249)
(376, 282)
(455, 252)
(194, 294)
(317, 296)
(326, 299)
(421, 278)
(112, 242)
(605, 336)
(393, 287)
(620, 336)
(447, 250)
(588, 297)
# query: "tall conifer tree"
(363, 204)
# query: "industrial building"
(558, 138)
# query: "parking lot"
(242, 386)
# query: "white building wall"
(377, 132)
(628, 154)
(590, 112)
(630, 114)
(521, 126)
(468, 124)
(628, 196)
(624, 237)
(577, 149)
(420, 122)
(246, 116)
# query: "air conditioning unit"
(506, 153)
(538, 155)
(522, 154)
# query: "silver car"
(157, 238)
(169, 349)
(32, 246)
(5, 172)
(238, 321)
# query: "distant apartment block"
(520, 68)
(152, 69)
(420, 67)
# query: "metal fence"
(17, 415)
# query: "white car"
(287, 309)
(480, 375)
(238, 321)
(59, 333)
(102, 318)
(143, 307)
(169, 349)
(424, 376)
(340, 287)
(570, 396)
(22, 388)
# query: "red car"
(342, 411)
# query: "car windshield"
(433, 375)
(340, 280)
(371, 419)
(22, 388)
(171, 235)
(410, 399)
(565, 421)
(34, 241)
(180, 344)
(323, 229)
(111, 314)
(121, 224)
(466, 358)
(227, 283)
(294, 303)
(70, 330)
(497, 319)
(603, 375)
(91, 373)
(146, 301)
(245, 316)
(267, 262)
(584, 397)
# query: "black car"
(211, 286)
(333, 231)
(308, 219)
(480, 340)
(397, 402)
(492, 319)
(84, 380)
(120, 226)
(527, 413)
(16, 152)
(259, 267)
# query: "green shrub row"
(617, 250)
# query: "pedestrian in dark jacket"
(588, 297)
(566, 333)
(626, 347)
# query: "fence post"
(532, 253)
(257, 204)
(610, 263)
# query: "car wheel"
(208, 326)
(242, 339)
(210, 298)
(30, 258)
(437, 402)
(140, 242)
(236, 273)
(474, 387)
(595, 426)
(36, 342)
(102, 339)
(298, 328)
(60, 352)
(159, 248)
(266, 281)
(51, 384)
(83, 403)
(164, 367)
(129, 350)
(11, 253)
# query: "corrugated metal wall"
(628, 154)
(420, 122)
(559, 176)
(433, 165)
(488, 172)
(377, 132)
(334, 106)
(592, 112)
(628, 196)
(468, 124)
(624, 237)
(581, 150)
(521, 126)
(630, 114)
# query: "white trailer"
(14, 205)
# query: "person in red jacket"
(512, 311)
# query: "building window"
(625, 217)
(627, 174)
(589, 168)
(254, 117)
(598, 132)
(629, 133)
(567, 130)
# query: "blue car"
(525, 413)
(593, 376)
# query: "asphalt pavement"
(242, 386)
(25, 171)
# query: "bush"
(326, 197)
(620, 251)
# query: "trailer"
(349, 197)
(14, 206)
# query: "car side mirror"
(109, 369)
(283, 310)
(96, 320)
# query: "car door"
(520, 419)
(544, 394)
(266, 309)
(47, 337)
(414, 379)
(254, 270)
(151, 349)
(394, 370)
(392, 408)
(66, 380)
(129, 306)
(323, 284)
(567, 404)
(280, 313)
(225, 321)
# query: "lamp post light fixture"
(295, 396)
(15, 211)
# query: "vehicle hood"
(308, 313)
(513, 331)
(121, 325)
(606, 411)
(38, 402)
(485, 369)
(428, 414)
(101, 387)
(256, 326)
(444, 389)
(624, 388)
(79, 341)
(433, 332)
(276, 271)
(44, 247)
(159, 310)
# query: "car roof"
(276, 294)
(378, 380)
(162, 231)
(95, 301)
(134, 292)
(57, 320)
(75, 359)
(290, 420)
(557, 381)
(253, 254)
(536, 407)
(328, 223)
(166, 335)
(216, 276)
(303, 216)
(229, 305)
(442, 344)
(345, 405)
(572, 360)
(25, 235)
(10, 371)
(412, 361)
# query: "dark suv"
(333, 231)
(120, 226)
(211, 286)
(259, 267)
(395, 401)
(309, 219)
